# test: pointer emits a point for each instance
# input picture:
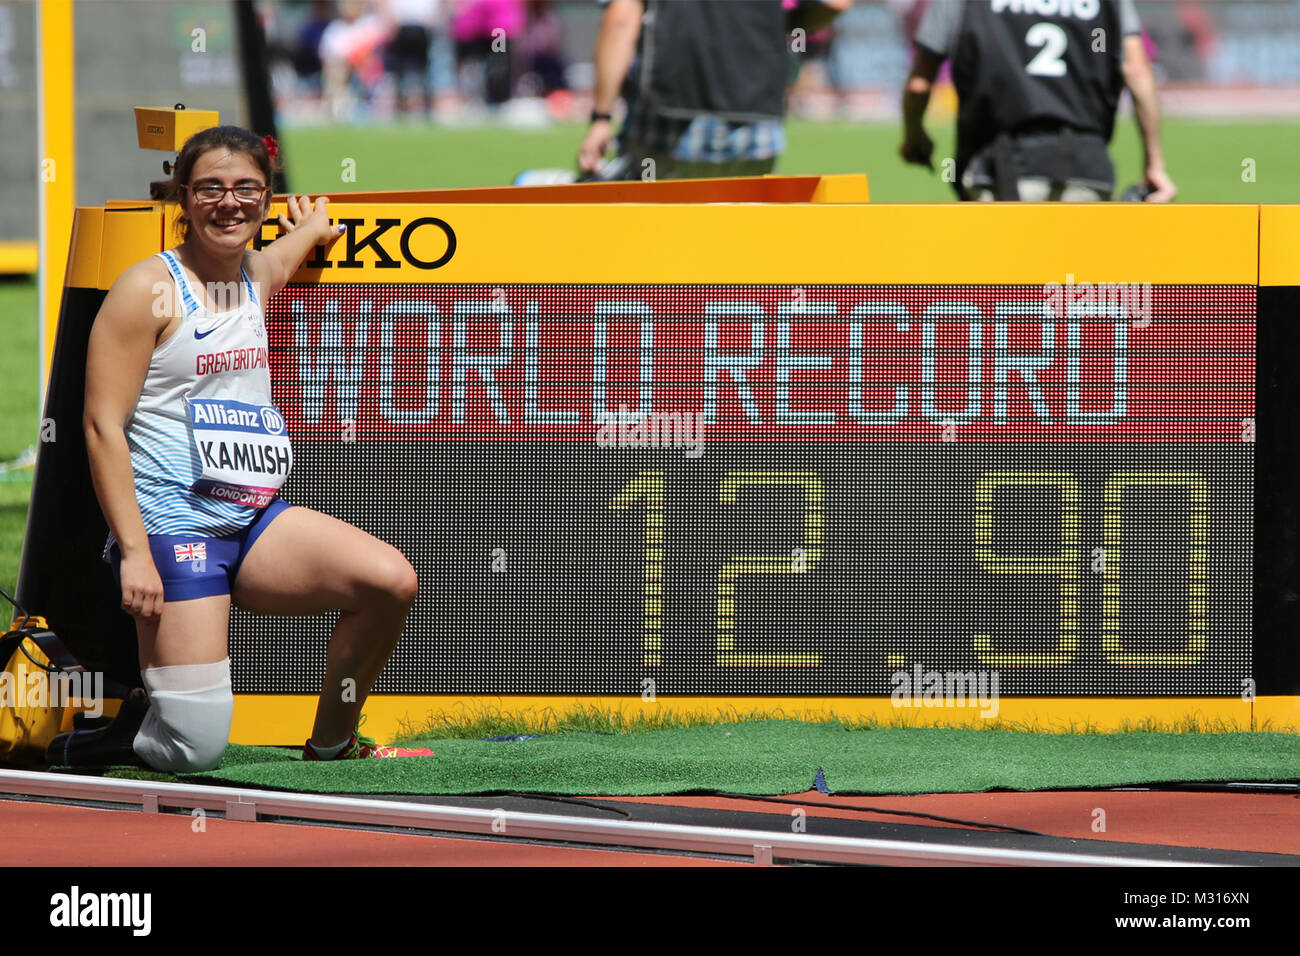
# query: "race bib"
(243, 449)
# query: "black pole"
(257, 82)
(62, 577)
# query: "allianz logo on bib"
(214, 414)
(240, 416)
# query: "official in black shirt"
(708, 97)
(1038, 83)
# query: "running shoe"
(364, 748)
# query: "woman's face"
(227, 224)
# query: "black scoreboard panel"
(781, 491)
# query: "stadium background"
(1230, 93)
(1226, 102)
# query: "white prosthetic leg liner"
(188, 724)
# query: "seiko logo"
(386, 244)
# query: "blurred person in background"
(351, 54)
(279, 53)
(809, 75)
(411, 23)
(306, 52)
(907, 13)
(1037, 96)
(485, 31)
(1199, 29)
(707, 97)
(442, 59)
(543, 49)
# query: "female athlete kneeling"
(192, 524)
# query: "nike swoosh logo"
(203, 335)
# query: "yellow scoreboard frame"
(803, 231)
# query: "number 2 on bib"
(1053, 41)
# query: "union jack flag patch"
(191, 552)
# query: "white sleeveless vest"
(212, 358)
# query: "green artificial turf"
(776, 757)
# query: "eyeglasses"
(211, 194)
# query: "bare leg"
(186, 632)
(306, 562)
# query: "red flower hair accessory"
(272, 149)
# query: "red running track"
(1252, 822)
(35, 833)
(44, 834)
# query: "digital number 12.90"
(648, 487)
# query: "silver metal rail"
(762, 846)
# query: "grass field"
(19, 418)
(763, 756)
(1205, 159)
(488, 721)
